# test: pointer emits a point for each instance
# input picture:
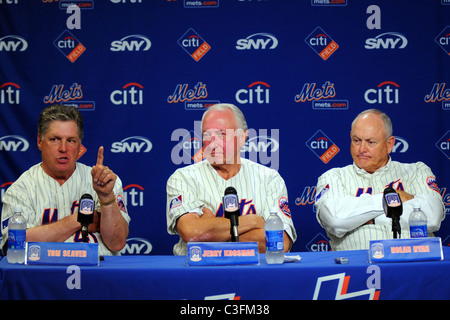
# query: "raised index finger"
(100, 156)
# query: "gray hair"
(59, 112)
(387, 121)
(238, 115)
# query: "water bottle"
(274, 238)
(17, 226)
(418, 223)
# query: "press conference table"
(316, 276)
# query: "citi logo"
(13, 143)
(193, 44)
(388, 40)
(13, 43)
(322, 146)
(318, 243)
(257, 92)
(257, 41)
(131, 93)
(9, 93)
(134, 42)
(386, 92)
(135, 144)
(134, 195)
(321, 43)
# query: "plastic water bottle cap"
(273, 209)
(416, 205)
(18, 209)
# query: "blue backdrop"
(142, 72)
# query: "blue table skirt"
(316, 276)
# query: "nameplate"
(62, 253)
(398, 250)
(221, 253)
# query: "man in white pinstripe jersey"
(349, 199)
(194, 193)
(49, 191)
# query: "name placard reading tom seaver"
(398, 250)
(221, 253)
(62, 253)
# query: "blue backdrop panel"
(143, 71)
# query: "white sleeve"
(277, 195)
(426, 193)
(338, 212)
(181, 199)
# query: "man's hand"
(103, 178)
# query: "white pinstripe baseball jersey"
(259, 188)
(348, 197)
(44, 201)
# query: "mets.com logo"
(439, 93)
(317, 95)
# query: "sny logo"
(322, 146)
(321, 43)
(193, 44)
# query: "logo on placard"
(34, 253)
(322, 146)
(69, 46)
(195, 253)
(193, 44)
(321, 43)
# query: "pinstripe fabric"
(43, 199)
(259, 188)
(348, 197)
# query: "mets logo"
(321, 43)
(193, 44)
(284, 206)
(431, 182)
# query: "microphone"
(231, 211)
(85, 214)
(393, 208)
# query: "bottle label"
(274, 240)
(16, 239)
(418, 231)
